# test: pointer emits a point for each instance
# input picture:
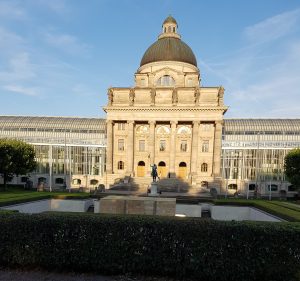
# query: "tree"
(16, 157)
(292, 167)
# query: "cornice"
(161, 108)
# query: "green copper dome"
(169, 46)
(169, 49)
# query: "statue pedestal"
(153, 189)
(136, 205)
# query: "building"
(69, 151)
(253, 152)
(167, 118)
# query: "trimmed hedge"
(182, 247)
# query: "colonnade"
(151, 147)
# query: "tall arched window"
(166, 80)
(204, 167)
(120, 165)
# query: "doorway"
(141, 169)
(162, 170)
(182, 170)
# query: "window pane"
(162, 145)
(142, 145)
(205, 146)
(121, 145)
(183, 146)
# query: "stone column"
(130, 148)
(194, 150)
(173, 149)
(152, 143)
(109, 149)
(217, 149)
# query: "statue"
(196, 95)
(152, 93)
(131, 96)
(174, 96)
(221, 96)
(154, 172)
(110, 96)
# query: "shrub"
(182, 247)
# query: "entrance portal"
(141, 169)
(162, 170)
(182, 170)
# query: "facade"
(69, 151)
(253, 152)
(167, 118)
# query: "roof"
(169, 49)
(265, 125)
(52, 122)
(170, 19)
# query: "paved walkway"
(16, 275)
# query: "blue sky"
(58, 57)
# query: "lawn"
(14, 195)
(283, 209)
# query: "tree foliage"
(16, 157)
(292, 166)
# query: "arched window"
(59, 180)
(204, 167)
(161, 164)
(76, 181)
(166, 80)
(182, 164)
(141, 163)
(41, 180)
(120, 165)
(93, 182)
(204, 184)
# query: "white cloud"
(274, 27)
(9, 39)
(82, 90)
(10, 9)
(67, 43)
(57, 6)
(20, 68)
(28, 91)
(262, 78)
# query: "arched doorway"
(162, 169)
(141, 169)
(182, 170)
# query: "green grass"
(282, 209)
(18, 195)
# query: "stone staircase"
(168, 185)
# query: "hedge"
(156, 246)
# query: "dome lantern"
(169, 28)
(169, 46)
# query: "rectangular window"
(121, 126)
(183, 146)
(121, 145)
(162, 145)
(142, 145)
(205, 146)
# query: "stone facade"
(168, 119)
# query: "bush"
(182, 247)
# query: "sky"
(59, 57)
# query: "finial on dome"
(169, 28)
